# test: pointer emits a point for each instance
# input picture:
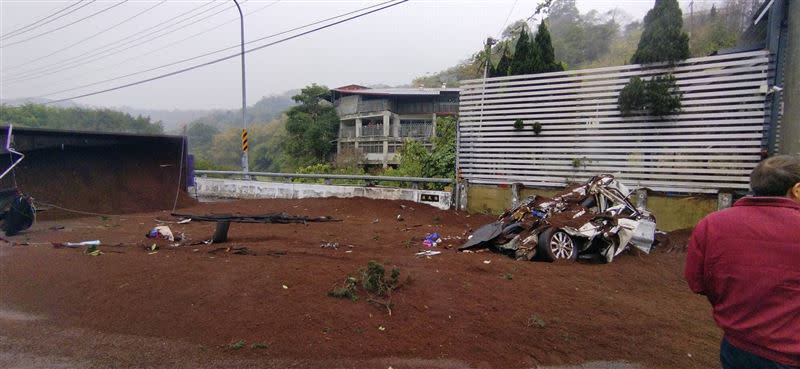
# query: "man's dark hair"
(775, 176)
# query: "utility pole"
(691, 17)
(245, 144)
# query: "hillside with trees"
(75, 118)
(601, 39)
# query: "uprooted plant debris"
(594, 220)
(373, 280)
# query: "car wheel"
(557, 245)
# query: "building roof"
(421, 91)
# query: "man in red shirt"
(746, 261)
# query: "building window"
(371, 148)
(372, 128)
(416, 128)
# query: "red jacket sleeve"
(695, 259)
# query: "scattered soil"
(183, 307)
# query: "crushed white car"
(592, 220)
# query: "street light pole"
(245, 145)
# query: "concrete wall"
(228, 188)
(673, 212)
(790, 127)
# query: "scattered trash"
(329, 245)
(348, 251)
(233, 250)
(184, 221)
(399, 218)
(161, 232)
(153, 247)
(81, 244)
(487, 261)
(152, 253)
(285, 287)
(376, 220)
(381, 328)
(428, 253)
(594, 219)
(432, 240)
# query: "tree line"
(76, 118)
(600, 39)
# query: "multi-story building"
(376, 121)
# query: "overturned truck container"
(592, 220)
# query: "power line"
(105, 47)
(90, 37)
(66, 25)
(32, 26)
(120, 45)
(215, 61)
(216, 51)
(508, 17)
(187, 59)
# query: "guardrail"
(329, 177)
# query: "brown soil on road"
(183, 307)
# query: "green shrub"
(658, 97)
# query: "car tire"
(557, 245)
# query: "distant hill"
(172, 120)
(265, 110)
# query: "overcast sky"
(389, 47)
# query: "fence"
(712, 144)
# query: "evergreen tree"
(663, 39)
(543, 55)
(521, 61)
(502, 66)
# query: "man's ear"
(794, 192)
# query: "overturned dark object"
(594, 219)
(224, 221)
(16, 211)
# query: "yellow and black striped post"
(244, 140)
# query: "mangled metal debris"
(594, 219)
(16, 209)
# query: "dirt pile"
(186, 307)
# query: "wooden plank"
(580, 138)
(612, 109)
(754, 90)
(632, 151)
(719, 119)
(556, 131)
(732, 124)
(610, 101)
(621, 175)
(615, 84)
(623, 167)
(720, 145)
(581, 90)
(623, 156)
(627, 181)
(547, 185)
(700, 113)
(622, 162)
